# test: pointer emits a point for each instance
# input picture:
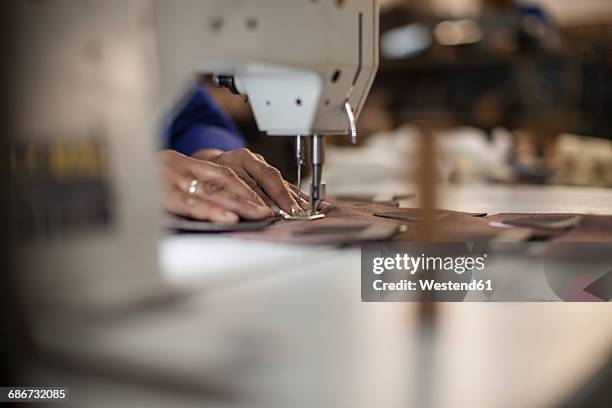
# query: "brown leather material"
(346, 223)
(537, 234)
(455, 227)
(592, 228)
(546, 221)
(344, 219)
(176, 223)
(411, 216)
(361, 199)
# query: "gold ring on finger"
(194, 185)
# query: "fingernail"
(265, 210)
(230, 216)
(295, 209)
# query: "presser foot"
(303, 216)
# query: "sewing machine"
(305, 67)
(276, 325)
(301, 64)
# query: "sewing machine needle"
(299, 157)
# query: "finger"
(216, 193)
(228, 179)
(260, 157)
(253, 184)
(269, 202)
(213, 193)
(301, 202)
(271, 181)
(299, 192)
(324, 205)
(183, 182)
(205, 170)
(171, 178)
(174, 203)
(185, 204)
(302, 198)
(179, 177)
(244, 176)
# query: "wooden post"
(427, 180)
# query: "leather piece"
(411, 216)
(345, 223)
(361, 199)
(466, 227)
(346, 218)
(546, 221)
(455, 227)
(348, 223)
(183, 224)
(537, 234)
(592, 228)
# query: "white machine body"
(297, 61)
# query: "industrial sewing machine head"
(305, 66)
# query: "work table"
(308, 300)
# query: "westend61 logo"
(433, 271)
(412, 264)
(485, 272)
(412, 271)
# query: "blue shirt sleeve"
(201, 124)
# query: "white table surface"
(308, 299)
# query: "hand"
(220, 195)
(262, 178)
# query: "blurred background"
(95, 297)
(519, 91)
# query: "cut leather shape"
(592, 228)
(411, 216)
(416, 214)
(345, 218)
(546, 221)
(344, 223)
(359, 199)
(514, 235)
(332, 229)
(455, 227)
(351, 233)
(189, 225)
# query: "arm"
(201, 124)
(201, 130)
